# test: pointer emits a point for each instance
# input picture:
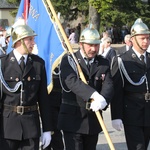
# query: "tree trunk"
(94, 17)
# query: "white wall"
(5, 14)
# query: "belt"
(134, 93)
(139, 95)
(74, 103)
(56, 90)
(20, 109)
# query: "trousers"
(77, 141)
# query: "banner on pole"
(49, 45)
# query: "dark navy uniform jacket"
(129, 102)
(74, 117)
(16, 126)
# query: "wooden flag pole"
(99, 117)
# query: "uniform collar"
(138, 54)
(83, 56)
(18, 56)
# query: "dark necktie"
(142, 59)
(22, 64)
(88, 63)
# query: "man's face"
(128, 42)
(143, 40)
(107, 44)
(29, 42)
(91, 50)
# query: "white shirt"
(18, 56)
(138, 54)
(106, 50)
(72, 38)
(127, 47)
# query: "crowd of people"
(116, 33)
(73, 34)
(67, 115)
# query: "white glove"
(46, 139)
(117, 124)
(98, 102)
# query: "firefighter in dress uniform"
(131, 103)
(23, 95)
(79, 123)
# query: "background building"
(6, 18)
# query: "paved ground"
(117, 137)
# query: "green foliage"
(14, 1)
(121, 12)
(112, 12)
(70, 9)
(14, 12)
